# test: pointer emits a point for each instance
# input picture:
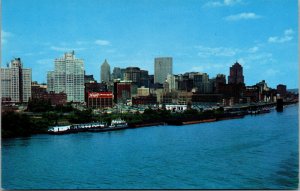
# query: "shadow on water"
(288, 174)
(21, 141)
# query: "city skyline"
(201, 36)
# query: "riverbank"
(20, 124)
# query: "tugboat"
(118, 123)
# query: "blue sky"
(201, 35)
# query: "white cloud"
(65, 49)
(102, 42)
(288, 35)
(242, 16)
(222, 3)
(216, 51)
(253, 49)
(4, 36)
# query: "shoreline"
(178, 121)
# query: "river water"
(256, 152)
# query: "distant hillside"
(296, 90)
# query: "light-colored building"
(162, 67)
(16, 82)
(67, 77)
(171, 80)
(142, 91)
(105, 72)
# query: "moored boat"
(118, 123)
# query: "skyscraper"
(16, 82)
(67, 77)
(162, 67)
(105, 72)
(116, 73)
(236, 74)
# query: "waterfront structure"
(236, 74)
(67, 77)
(100, 100)
(162, 67)
(16, 82)
(105, 72)
(281, 90)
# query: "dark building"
(89, 79)
(38, 90)
(150, 81)
(93, 87)
(204, 98)
(122, 92)
(133, 74)
(234, 91)
(144, 80)
(281, 89)
(185, 83)
(220, 80)
(144, 100)
(100, 100)
(56, 98)
(251, 94)
(236, 74)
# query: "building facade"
(100, 100)
(162, 67)
(67, 77)
(105, 72)
(236, 74)
(16, 82)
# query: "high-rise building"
(236, 74)
(16, 82)
(162, 67)
(67, 77)
(133, 74)
(202, 83)
(117, 73)
(105, 72)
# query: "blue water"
(256, 152)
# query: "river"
(256, 152)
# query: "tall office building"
(67, 77)
(116, 73)
(162, 67)
(105, 72)
(202, 83)
(236, 74)
(133, 74)
(16, 82)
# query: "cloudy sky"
(201, 35)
